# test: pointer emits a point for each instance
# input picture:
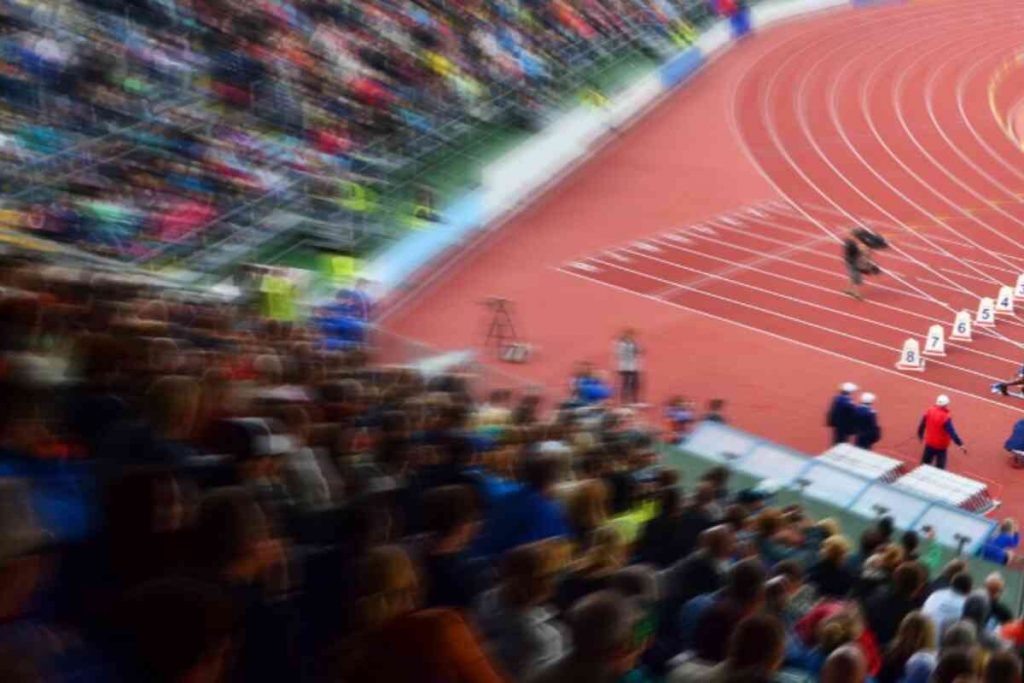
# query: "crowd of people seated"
(192, 492)
(127, 126)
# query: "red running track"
(712, 227)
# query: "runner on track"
(853, 257)
(857, 248)
(1004, 387)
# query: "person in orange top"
(937, 432)
(398, 642)
(1013, 633)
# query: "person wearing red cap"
(937, 432)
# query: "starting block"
(1004, 302)
(1018, 291)
(986, 316)
(935, 342)
(910, 357)
(961, 327)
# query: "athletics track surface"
(710, 227)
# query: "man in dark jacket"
(702, 570)
(658, 544)
(866, 422)
(887, 607)
(695, 518)
(842, 414)
(994, 587)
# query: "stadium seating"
(185, 463)
(148, 131)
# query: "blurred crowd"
(194, 492)
(134, 128)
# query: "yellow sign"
(356, 196)
(344, 268)
(594, 98)
(684, 33)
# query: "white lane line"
(929, 319)
(784, 316)
(796, 342)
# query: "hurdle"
(986, 316)
(953, 489)
(961, 327)
(910, 357)
(864, 463)
(935, 342)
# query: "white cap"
(848, 387)
(867, 397)
(942, 400)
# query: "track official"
(868, 431)
(842, 416)
(937, 432)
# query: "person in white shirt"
(946, 606)
(627, 356)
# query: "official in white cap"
(842, 414)
(868, 431)
(936, 431)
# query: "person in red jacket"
(936, 431)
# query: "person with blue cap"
(842, 414)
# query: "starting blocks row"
(989, 310)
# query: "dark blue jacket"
(842, 414)
(591, 390)
(63, 493)
(866, 423)
(518, 517)
(1016, 440)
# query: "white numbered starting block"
(961, 327)
(1004, 302)
(1018, 291)
(910, 357)
(935, 342)
(986, 316)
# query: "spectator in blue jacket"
(866, 421)
(531, 513)
(344, 321)
(1001, 546)
(842, 414)
(588, 387)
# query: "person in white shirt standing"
(946, 605)
(627, 356)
